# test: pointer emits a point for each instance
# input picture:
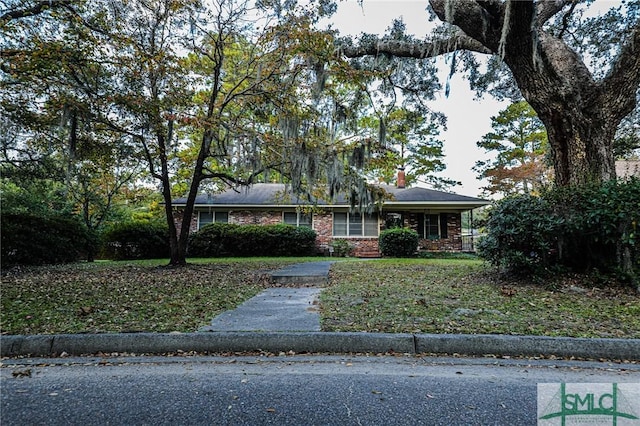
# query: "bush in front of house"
(211, 241)
(521, 234)
(341, 248)
(35, 240)
(136, 240)
(225, 239)
(579, 229)
(398, 242)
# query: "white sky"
(468, 120)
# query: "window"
(355, 225)
(205, 218)
(393, 220)
(432, 226)
(297, 219)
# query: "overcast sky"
(468, 120)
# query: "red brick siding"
(323, 225)
(453, 242)
(248, 217)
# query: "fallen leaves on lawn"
(122, 297)
(422, 296)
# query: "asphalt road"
(285, 390)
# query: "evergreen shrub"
(398, 242)
(136, 240)
(580, 229)
(225, 239)
(34, 240)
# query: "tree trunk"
(177, 257)
(581, 145)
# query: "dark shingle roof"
(275, 194)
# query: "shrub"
(341, 248)
(521, 234)
(585, 228)
(33, 240)
(211, 241)
(136, 240)
(398, 242)
(223, 239)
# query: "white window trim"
(362, 216)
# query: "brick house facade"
(435, 215)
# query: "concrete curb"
(481, 344)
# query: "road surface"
(286, 389)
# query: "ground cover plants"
(388, 295)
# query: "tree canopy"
(519, 141)
(579, 72)
(201, 93)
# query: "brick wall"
(177, 217)
(247, 217)
(453, 242)
(323, 225)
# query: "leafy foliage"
(341, 248)
(227, 239)
(398, 242)
(580, 228)
(521, 234)
(29, 239)
(136, 240)
(519, 141)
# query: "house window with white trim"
(355, 225)
(433, 226)
(298, 219)
(205, 218)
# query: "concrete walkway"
(304, 274)
(275, 309)
(280, 309)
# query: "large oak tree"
(556, 57)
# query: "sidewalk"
(282, 308)
(287, 319)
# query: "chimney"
(401, 182)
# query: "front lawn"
(128, 296)
(399, 295)
(463, 296)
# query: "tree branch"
(415, 49)
(623, 80)
(35, 9)
(545, 10)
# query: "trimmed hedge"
(136, 240)
(227, 239)
(398, 242)
(36, 240)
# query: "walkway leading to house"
(280, 309)
(304, 274)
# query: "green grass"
(398, 295)
(461, 296)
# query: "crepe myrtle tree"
(580, 73)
